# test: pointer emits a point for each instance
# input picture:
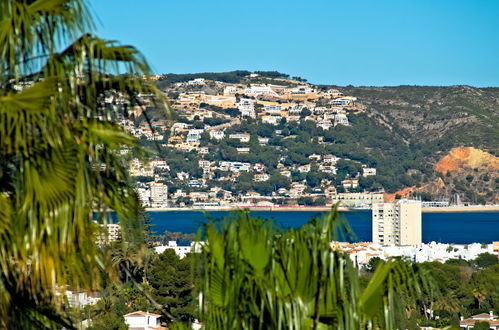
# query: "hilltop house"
(143, 321)
(483, 317)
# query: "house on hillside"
(246, 107)
(143, 321)
(490, 318)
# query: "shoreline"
(444, 209)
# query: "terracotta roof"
(482, 316)
(473, 321)
(141, 313)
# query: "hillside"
(436, 117)
(443, 123)
(405, 133)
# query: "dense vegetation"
(436, 118)
(227, 77)
(238, 264)
(364, 142)
(403, 132)
(59, 156)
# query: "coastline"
(445, 209)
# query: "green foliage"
(108, 321)
(172, 280)
(59, 154)
(373, 264)
(485, 260)
(481, 325)
(228, 77)
(259, 276)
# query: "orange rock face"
(466, 157)
(404, 193)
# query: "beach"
(445, 209)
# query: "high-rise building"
(109, 232)
(159, 194)
(397, 223)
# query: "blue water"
(457, 228)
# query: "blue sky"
(358, 42)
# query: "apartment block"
(397, 223)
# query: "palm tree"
(449, 303)
(480, 296)
(258, 276)
(59, 153)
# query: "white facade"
(144, 195)
(397, 223)
(324, 124)
(242, 137)
(80, 299)
(261, 177)
(217, 135)
(361, 253)
(259, 90)
(230, 90)
(194, 135)
(341, 119)
(344, 101)
(273, 120)
(181, 251)
(301, 90)
(110, 232)
(197, 81)
(142, 320)
(273, 109)
(159, 194)
(246, 107)
(368, 171)
(357, 199)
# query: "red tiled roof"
(141, 313)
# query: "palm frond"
(261, 276)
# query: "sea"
(455, 227)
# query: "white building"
(350, 183)
(194, 135)
(159, 194)
(246, 107)
(144, 195)
(197, 81)
(181, 250)
(301, 90)
(435, 204)
(217, 135)
(230, 90)
(325, 124)
(397, 223)
(341, 119)
(273, 109)
(361, 253)
(273, 120)
(362, 200)
(159, 164)
(261, 177)
(298, 108)
(344, 101)
(330, 159)
(109, 232)
(334, 93)
(490, 318)
(259, 90)
(78, 298)
(239, 167)
(368, 171)
(242, 137)
(204, 163)
(143, 321)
